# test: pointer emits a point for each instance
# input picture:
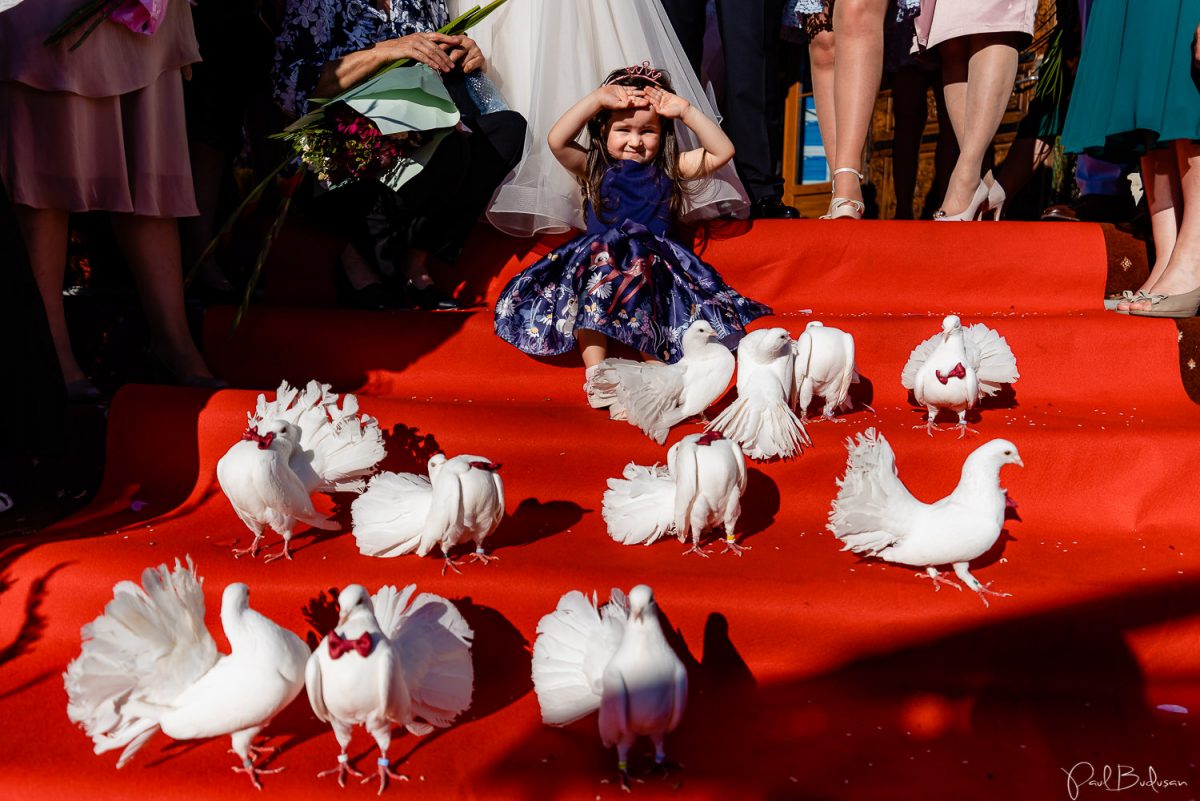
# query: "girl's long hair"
(599, 161)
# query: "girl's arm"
(715, 149)
(561, 138)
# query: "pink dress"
(941, 20)
(99, 129)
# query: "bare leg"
(821, 60)
(151, 245)
(909, 88)
(858, 26)
(1024, 156)
(593, 346)
(1164, 198)
(45, 234)
(1182, 273)
(991, 69)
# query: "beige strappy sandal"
(845, 208)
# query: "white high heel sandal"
(845, 208)
(970, 212)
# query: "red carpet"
(815, 675)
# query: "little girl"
(624, 278)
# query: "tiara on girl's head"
(643, 71)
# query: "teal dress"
(1135, 88)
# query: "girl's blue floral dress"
(624, 278)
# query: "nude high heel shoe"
(844, 207)
(996, 197)
(970, 212)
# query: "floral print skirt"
(627, 283)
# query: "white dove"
(148, 664)
(614, 659)
(954, 369)
(655, 396)
(400, 513)
(875, 514)
(390, 663)
(296, 445)
(824, 367)
(701, 489)
(760, 419)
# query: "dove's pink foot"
(480, 556)
(252, 550)
(284, 554)
(732, 547)
(938, 580)
(984, 591)
(963, 429)
(384, 774)
(696, 549)
(341, 770)
(453, 565)
(253, 772)
(833, 418)
(929, 427)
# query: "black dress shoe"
(774, 209)
(430, 298)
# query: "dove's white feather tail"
(574, 644)
(869, 496)
(638, 508)
(389, 516)
(648, 394)
(340, 446)
(433, 643)
(764, 430)
(147, 648)
(918, 357)
(995, 364)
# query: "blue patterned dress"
(624, 278)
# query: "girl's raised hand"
(665, 103)
(618, 97)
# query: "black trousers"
(437, 209)
(753, 108)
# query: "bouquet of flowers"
(385, 128)
(139, 16)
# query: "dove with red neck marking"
(148, 664)
(615, 660)
(953, 370)
(874, 513)
(655, 396)
(390, 663)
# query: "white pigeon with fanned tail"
(300, 443)
(400, 513)
(761, 419)
(615, 660)
(392, 660)
(874, 514)
(954, 369)
(825, 368)
(148, 664)
(655, 396)
(700, 489)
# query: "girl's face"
(634, 134)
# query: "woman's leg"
(991, 70)
(820, 58)
(1164, 199)
(45, 234)
(910, 108)
(151, 245)
(1182, 273)
(858, 26)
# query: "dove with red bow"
(462, 500)
(392, 660)
(957, 367)
(300, 443)
(700, 490)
